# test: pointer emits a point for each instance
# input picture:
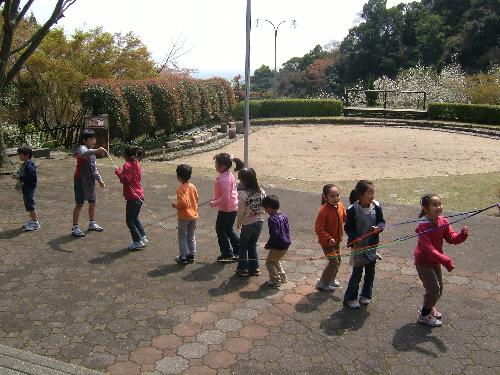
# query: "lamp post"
(246, 122)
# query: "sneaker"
(26, 224)
(76, 232)
(335, 283)
(271, 284)
(326, 288)
(353, 304)
(96, 228)
(283, 279)
(226, 259)
(364, 300)
(379, 257)
(181, 260)
(136, 245)
(242, 273)
(255, 272)
(145, 240)
(31, 226)
(429, 320)
(190, 258)
(436, 314)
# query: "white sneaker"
(326, 288)
(145, 240)
(429, 320)
(379, 257)
(136, 245)
(353, 304)
(335, 283)
(77, 232)
(364, 300)
(31, 226)
(26, 224)
(96, 228)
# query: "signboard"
(100, 125)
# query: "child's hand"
(376, 229)
(174, 205)
(101, 183)
(14, 176)
(238, 225)
(331, 242)
(449, 265)
(465, 230)
(211, 204)
(117, 169)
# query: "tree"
(15, 52)
(262, 79)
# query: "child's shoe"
(436, 314)
(326, 288)
(379, 257)
(255, 272)
(136, 245)
(335, 283)
(242, 273)
(429, 320)
(96, 228)
(190, 258)
(26, 224)
(181, 260)
(283, 278)
(31, 226)
(76, 232)
(145, 240)
(226, 259)
(271, 284)
(364, 300)
(353, 304)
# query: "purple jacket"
(279, 232)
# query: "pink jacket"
(429, 249)
(130, 176)
(225, 194)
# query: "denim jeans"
(227, 238)
(249, 254)
(352, 288)
(132, 211)
(186, 237)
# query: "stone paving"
(92, 303)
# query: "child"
(364, 222)
(278, 243)
(187, 213)
(226, 199)
(86, 174)
(26, 184)
(432, 229)
(328, 227)
(250, 217)
(130, 176)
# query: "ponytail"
(424, 202)
(353, 197)
(238, 164)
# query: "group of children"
(246, 203)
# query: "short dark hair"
(87, 133)
(271, 201)
(184, 171)
(25, 150)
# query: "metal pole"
(246, 122)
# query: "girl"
(226, 199)
(328, 227)
(432, 229)
(364, 222)
(130, 177)
(249, 218)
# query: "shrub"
(291, 108)
(139, 108)
(476, 113)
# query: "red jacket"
(130, 177)
(429, 249)
(330, 223)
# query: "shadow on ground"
(108, 258)
(10, 234)
(56, 243)
(410, 336)
(344, 320)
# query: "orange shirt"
(330, 223)
(187, 201)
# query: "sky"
(214, 30)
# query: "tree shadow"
(233, 284)
(346, 319)
(206, 272)
(108, 258)
(10, 234)
(313, 301)
(411, 335)
(56, 243)
(166, 269)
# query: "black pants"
(226, 236)
(133, 223)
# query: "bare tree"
(13, 57)
(171, 61)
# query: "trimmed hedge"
(172, 104)
(290, 107)
(475, 113)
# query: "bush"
(476, 113)
(139, 108)
(291, 108)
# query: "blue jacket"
(27, 175)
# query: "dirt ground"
(322, 152)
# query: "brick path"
(92, 303)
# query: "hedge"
(476, 113)
(171, 104)
(290, 108)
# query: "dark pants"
(352, 288)
(249, 254)
(432, 278)
(133, 223)
(29, 199)
(226, 236)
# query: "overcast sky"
(214, 30)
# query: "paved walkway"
(92, 303)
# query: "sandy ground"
(318, 153)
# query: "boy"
(279, 241)
(26, 177)
(86, 174)
(187, 213)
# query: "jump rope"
(357, 250)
